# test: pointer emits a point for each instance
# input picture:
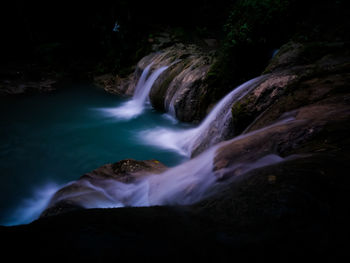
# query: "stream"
(48, 140)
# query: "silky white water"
(183, 141)
(185, 184)
(30, 208)
(136, 105)
(48, 140)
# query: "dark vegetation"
(255, 29)
(79, 34)
(77, 37)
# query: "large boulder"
(115, 84)
(181, 89)
(295, 80)
(300, 132)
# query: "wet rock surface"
(98, 185)
(114, 84)
(308, 80)
(179, 90)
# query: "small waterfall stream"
(212, 130)
(184, 184)
(136, 105)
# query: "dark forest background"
(78, 35)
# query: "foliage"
(254, 28)
(249, 20)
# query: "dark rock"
(297, 54)
(301, 83)
(116, 84)
(301, 213)
(94, 185)
(179, 90)
(19, 79)
(286, 137)
(211, 42)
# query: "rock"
(162, 40)
(295, 110)
(287, 89)
(179, 90)
(26, 79)
(286, 57)
(296, 54)
(116, 84)
(93, 187)
(329, 89)
(20, 87)
(291, 135)
(126, 171)
(211, 42)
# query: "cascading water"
(184, 184)
(136, 105)
(31, 208)
(212, 130)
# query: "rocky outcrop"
(307, 80)
(114, 84)
(99, 186)
(316, 82)
(297, 133)
(179, 90)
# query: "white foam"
(136, 105)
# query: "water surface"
(48, 140)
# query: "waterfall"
(213, 129)
(136, 105)
(185, 184)
(31, 208)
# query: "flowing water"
(48, 140)
(212, 129)
(135, 107)
(184, 184)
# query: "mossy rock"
(296, 54)
(160, 87)
(241, 116)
